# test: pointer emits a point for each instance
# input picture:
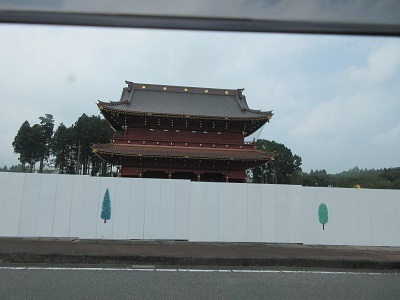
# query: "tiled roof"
(182, 152)
(184, 101)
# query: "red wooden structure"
(182, 132)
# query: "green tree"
(17, 168)
(36, 147)
(391, 176)
(63, 149)
(47, 127)
(72, 150)
(20, 144)
(373, 179)
(32, 143)
(106, 207)
(323, 214)
(387, 178)
(285, 168)
(28, 144)
(318, 178)
(89, 131)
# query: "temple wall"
(36, 205)
(182, 137)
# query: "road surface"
(136, 282)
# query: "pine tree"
(20, 144)
(47, 126)
(323, 215)
(64, 149)
(106, 207)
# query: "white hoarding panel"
(75, 212)
(396, 197)
(121, 208)
(182, 202)
(226, 217)
(295, 213)
(3, 183)
(254, 210)
(152, 209)
(136, 208)
(196, 229)
(310, 217)
(167, 210)
(362, 197)
(30, 204)
(349, 217)
(335, 216)
(3, 191)
(211, 212)
(12, 204)
(389, 208)
(288, 218)
(48, 190)
(62, 209)
(282, 214)
(105, 200)
(89, 206)
(72, 206)
(268, 213)
(377, 218)
(239, 212)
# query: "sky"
(335, 99)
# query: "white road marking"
(196, 270)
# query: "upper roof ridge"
(182, 89)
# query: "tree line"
(385, 178)
(286, 169)
(68, 148)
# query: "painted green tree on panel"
(323, 215)
(106, 207)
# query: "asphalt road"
(135, 282)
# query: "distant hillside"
(387, 178)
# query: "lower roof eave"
(177, 152)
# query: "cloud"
(382, 64)
(346, 115)
(388, 137)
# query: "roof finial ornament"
(129, 83)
